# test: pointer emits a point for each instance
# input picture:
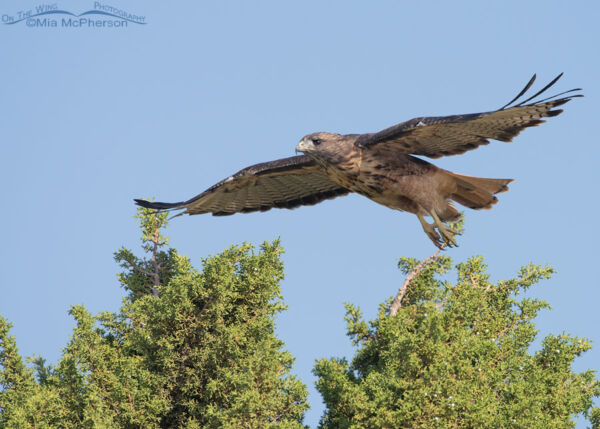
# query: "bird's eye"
(317, 142)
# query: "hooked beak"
(301, 146)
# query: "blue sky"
(92, 118)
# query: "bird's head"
(320, 145)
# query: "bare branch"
(473, 281)
(136, 267)
(441, 304)
(206, 305)
(140, 270)
(402, 291)
(156, 274)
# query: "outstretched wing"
(450, 135)
(284, 183)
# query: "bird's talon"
(447, 235)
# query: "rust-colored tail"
(478, 192)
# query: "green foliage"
(188, 349)
(144, 276)
(457, 356)
(196, 348)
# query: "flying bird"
(383, 167)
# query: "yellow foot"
(443, 236)
(447, 234)
(445, 231)
(431, 232)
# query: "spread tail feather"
(478, 192)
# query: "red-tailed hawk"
(381, 166)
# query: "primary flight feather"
(381, 166)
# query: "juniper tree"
(189, 348)
(457, 355)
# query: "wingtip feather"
(155, 205)
(541, 91)
(523, 91)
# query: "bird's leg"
(445, 231)
(430, 231)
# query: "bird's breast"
(389, 179)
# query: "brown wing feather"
(283, 183)
(450, 135)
